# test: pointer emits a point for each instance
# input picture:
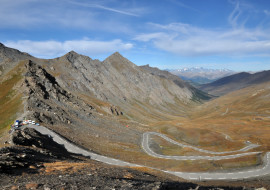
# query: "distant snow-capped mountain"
(201, 75)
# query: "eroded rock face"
(40, 82)
(49, 102)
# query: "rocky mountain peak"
(72, 53)
(119, 62)
(115, 57)
(71, 56)
(117, 54)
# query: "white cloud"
(187, 40)
(151, 36)
(51, 49)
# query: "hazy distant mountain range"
(200, 75)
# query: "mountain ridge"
(235, 82)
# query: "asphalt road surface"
(235, 175)
(149, 151)
(77, 150)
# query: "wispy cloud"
(51, 49)
(187, 40)
(233, 17)
(99, 6)
(181, 4)
(242, 13)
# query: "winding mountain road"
(236, 175)
(149, 151)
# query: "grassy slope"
(10, 97)
(243, 114)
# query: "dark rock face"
(30, 148)
(13, 159)
(31, 137)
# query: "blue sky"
(233, 34)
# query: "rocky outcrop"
(42, 84)
(30, 148)
(13, 159)
(49, 102)
(116, 111)
(30, 137)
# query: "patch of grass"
(10, 99)
(8, 112)
(69, 167)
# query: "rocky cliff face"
(49, 102)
